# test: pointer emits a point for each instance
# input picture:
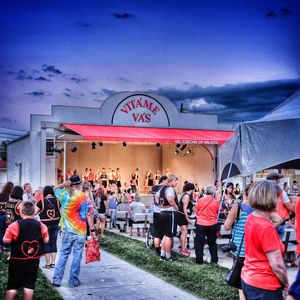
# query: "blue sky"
(238, 59)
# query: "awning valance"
(154, 135)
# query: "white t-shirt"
(285, 197)
(137, 207)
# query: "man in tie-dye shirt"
(77, 210)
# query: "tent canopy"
(154, 135)
(269, 142)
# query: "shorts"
(181, 220)
(252, 292)
(165, 224)
(118, 182)
(101, 215)
(22, 273)
(130, 222)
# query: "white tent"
(270, 142)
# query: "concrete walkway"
(113, 278)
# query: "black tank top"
(181, 202)
(29, 244)
(101, 205)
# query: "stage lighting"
(58, 150)
(183, 147)
(93, 145)
(157, 144)
(100, 144)
(189, 151)
(177, 145)
(176, 151)
(124, 144)
(73, 148)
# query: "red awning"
(154, 135)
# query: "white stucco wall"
(3, 177)
(19, 152)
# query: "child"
(27, 237)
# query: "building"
(129, 130)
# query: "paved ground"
(113, 278)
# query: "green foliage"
(3, 154)
(43, 289)
(205, 281)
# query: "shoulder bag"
(233, 277)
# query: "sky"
(235, 58)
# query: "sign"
(140, 110)
(197, 142)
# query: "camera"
(229, 247)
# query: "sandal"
(47, 266)
(52, 266)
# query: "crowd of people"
(257, 216)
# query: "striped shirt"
(239, 229)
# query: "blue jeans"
(3, 227)
(69, 240)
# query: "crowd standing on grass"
(257, 215)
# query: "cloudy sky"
(236, 58)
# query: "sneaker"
(187, 251)
(169, 259)
(56, 284)
(162, 258)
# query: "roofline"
(18, 139)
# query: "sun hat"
(75, 180)
(274, 176)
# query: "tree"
(3, 148)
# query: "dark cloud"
(51, 69)
(125, 80)
(108, 92)
(285, 11)
(233, 102)
(271, 14)
(123, 15)
(5, 120)
(25, 75)
(41, 78)
(72, 94)
(82, 24)
(77, 79)
(38, 93)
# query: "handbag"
(92, 250)
(233, 277)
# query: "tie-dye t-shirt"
(74, 211)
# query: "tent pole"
(65, 160)
(228, 176)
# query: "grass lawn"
(206, 281)
(43, 289)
